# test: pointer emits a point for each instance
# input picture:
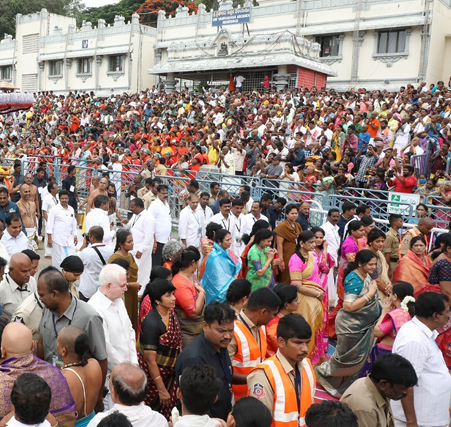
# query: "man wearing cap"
(72, 268)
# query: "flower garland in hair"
(406, 301)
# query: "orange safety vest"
(285, 407)
(248, 356)
(414, 232)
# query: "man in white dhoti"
(62, 230)
(142, 227)
(49, 202)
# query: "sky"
(97, 3)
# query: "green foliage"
(126, 8)
(10, 8)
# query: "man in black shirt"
(69, 184)
(210, 348)
(275, 212)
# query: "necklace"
(27, 209)
(69, 365)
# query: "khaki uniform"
(142, 192)
(391, 247)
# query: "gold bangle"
(159, 376)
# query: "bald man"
(17, 351)
(423, 229)
(102, 190)
(83, 376)
(28, 211)
(128, 383)
(15, 286)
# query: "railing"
(293, 192)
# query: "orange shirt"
(371, 131)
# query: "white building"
(51, 54)
(366, 43)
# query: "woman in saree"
(398, 309)
(325, 262)
(171, 250)
(206, 245)
(440, 282)
(260, 259)
(189, 295)
(124, 244)
(368, 224)
(288, 295)
(158, 272)
(238, 294)
(221, 268)
(305, 275)
(249, 241)
(355, 326)
(160, 344)
(414, 266)
(375, 242)
(348, 252)
(287, 233)
(337, 139)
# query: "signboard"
(84, 44)
(231, 16)
(406, 199)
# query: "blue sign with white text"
(231, 16)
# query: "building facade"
(51, 54)
(375, 44)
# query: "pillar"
(282, 78)
(170, 82)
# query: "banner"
(231, 16)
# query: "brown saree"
(289, 233)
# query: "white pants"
(47, 249)
(332, 287)
(144, 267)
(31, 235)
(59, 253)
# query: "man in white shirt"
(30, 401)
(332, 238)
(62, 230)
(99, 216)
(204, 212)
(161, 211)
(15, 286)
(13, 239)
(190, 227)
(94, 257)
(116, 176)
(237, 230)
(107, 301)
(142, 227)
(223, 218)
(426, 404)
(239, 79)
(49, 202)
(250, 219)
(128, 383)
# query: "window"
(6, 73)
(330, 45)
(391, 41)
(84, 66)
(55, 68)
(116, 64)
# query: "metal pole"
(356, 44)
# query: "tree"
(124, 8)
(214, 4)
(148, 11)
(10, 8)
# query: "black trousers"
(157, 257)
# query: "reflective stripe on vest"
(244, 360)
(285, 406)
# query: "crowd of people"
(245, 314)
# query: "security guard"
(248, 346)
(285, 382)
